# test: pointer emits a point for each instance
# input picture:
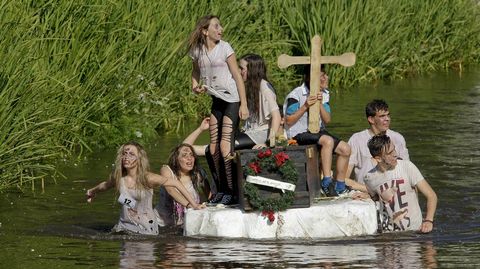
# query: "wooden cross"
(315, 60)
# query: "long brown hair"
(143, 167)
(174, 164)
(197, 39)
(256, 71)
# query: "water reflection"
(248, 254)
(137, 255)
(407, 255)
(429, 258)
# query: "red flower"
(268, 153)
(269, 214)
(281, 158)
(255, 167)
(261, 155)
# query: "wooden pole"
(314, 119)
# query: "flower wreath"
(279, 162)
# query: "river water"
(439, 116)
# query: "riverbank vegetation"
(79, 75)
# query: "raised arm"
(101, 187)
(233, 67)
(192, 137)
(431, 196)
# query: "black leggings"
(223, 132)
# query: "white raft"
(325, 219)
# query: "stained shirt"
(214, 71)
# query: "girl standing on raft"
(216, 72)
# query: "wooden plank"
(302, 200)
(315, 69)
(347, 59)
(313, 172)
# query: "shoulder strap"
(171, 171)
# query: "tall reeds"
(77, 75)
(391, 38)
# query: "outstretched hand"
(90, 195)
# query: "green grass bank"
(78, 75)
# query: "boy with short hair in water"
(395, 182)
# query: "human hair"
(306, 73)
(280, 109)
(256, 71)
(378, 144)
(143, 167)
(374, 106)
(197, 38)
(174, 164)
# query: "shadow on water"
(437, 114)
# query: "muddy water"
(439, 116)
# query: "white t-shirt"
(360, 156)
(214, 71)
(257, 128)
(396, 189)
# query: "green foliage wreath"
(278, 162)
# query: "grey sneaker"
(217, 198)
(329, 191)
(346, 192)
(227, 199)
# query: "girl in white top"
(134, 182)
(265, 118)
(215, 71)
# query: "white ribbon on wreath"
(271, 183)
